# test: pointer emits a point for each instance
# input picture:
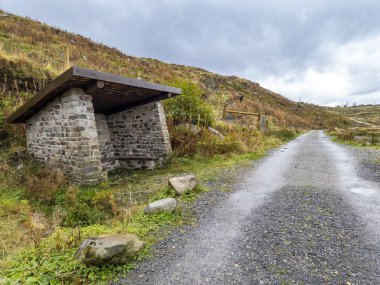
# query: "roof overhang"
(110, 93)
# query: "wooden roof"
(110, 93)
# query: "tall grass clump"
(283, 134)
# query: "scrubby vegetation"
(189, 108)
(365, 125)
(360, 115)
(357, 136)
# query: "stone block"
(167, 205)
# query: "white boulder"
(183, 183)
(215, 132)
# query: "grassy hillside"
(31, 53)
(365, 125)
(365, 115)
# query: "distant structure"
(87, 122)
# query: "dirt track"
(303, 215)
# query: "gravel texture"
(368, 162)
(305, 237)
(306, 214)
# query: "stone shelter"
(87, 122)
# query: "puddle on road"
(363, 191)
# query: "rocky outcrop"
(101, 250)
(167, 205)
(183, 184)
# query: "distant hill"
(31, 53)
(361, 115)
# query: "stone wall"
(140, 132)
(63, 134)
(105, 143)
(67, 134)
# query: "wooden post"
(191, 117)
(67, 57)
(224, 112)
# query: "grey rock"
(193, 128)
(167, 205)
(215, 132)
(183, 184)
(108, 249)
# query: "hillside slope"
(31, 53)
(365, 115)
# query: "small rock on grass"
(167, 205)
(183, 184)
(193, 128)
(108, 249)
(215, 132)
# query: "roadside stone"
(108, 249)
(194, 129)
(183, 184)
(215, 132)
(167, 205)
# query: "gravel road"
(309, 213)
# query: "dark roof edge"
(40, 95)
(109, 77)
(86, 73)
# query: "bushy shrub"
(236, 140)
(190, 106)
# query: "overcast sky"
(320, 51)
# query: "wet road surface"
(302, 216)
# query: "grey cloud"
(366, 91)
